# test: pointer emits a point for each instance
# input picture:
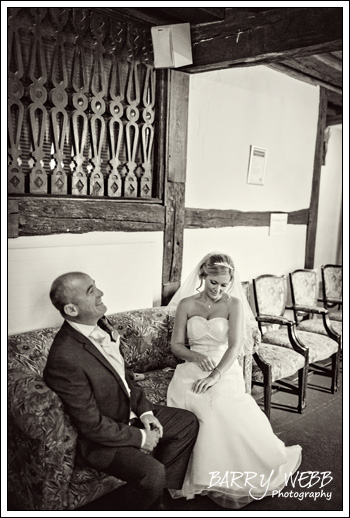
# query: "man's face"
(86, 298)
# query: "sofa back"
(145, 341)
(145, 336)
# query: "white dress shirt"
(114, 357)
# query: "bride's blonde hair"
(216, 264)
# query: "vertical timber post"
(315, 191)
(175, 181)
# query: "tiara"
(226, 265)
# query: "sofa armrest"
(42, 443)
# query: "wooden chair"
(270, 293)
(332, 287)
(273, 364)
(304, 293)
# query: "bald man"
(117, 426)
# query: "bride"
(237, 458)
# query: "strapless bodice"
(207, 336)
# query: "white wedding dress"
(237, 458)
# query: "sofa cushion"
(88, 484)
(155, 385)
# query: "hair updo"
(216, 264)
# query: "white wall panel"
(126, 267)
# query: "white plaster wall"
(228, 111)
(127, 267)
(330, 202)
(252, 249)
(231, 109)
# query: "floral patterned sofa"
(41, 438)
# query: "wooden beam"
(330, 61)
(194, 14)
(265, 37)
(12, 218)
(43, 216)
(308, 65)
(215, 218)
(313, 212)
(292, 72)
(178, 90)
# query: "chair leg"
(335, 372)
(302, 375)
(267, 392)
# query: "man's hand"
(152, 438)
(150, 422)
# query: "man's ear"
(71, 310)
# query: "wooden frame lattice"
(81, 105)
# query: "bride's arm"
(235, 337)
(178, 339)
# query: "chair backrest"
(304, 287)
(332, 283)
(304, 290)
(270, 293)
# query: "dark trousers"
(148, 474)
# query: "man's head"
(77, 298)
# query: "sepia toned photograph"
(174, 272)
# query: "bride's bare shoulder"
(234, 302)
(188, 302)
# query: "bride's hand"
(205, 363)
(203, 384)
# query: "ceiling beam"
(330, 61)
(265, 37)
(297, 74)
(194, 14)
(309, 66)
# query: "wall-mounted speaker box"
(172, 45)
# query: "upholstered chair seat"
(320, 347)
(283, 362)
(315, 325)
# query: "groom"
(119, 431)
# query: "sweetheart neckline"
(206, 319)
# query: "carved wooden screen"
(81, 104)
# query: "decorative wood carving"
(132, 129)
(132, 113)
(148, 99)
(83, 126)
(98, 106)
(37, 109)
(15, 105)
(116, 108)
(80, 102)
(59, 98)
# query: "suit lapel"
(90, 348)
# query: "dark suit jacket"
(94, 396)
